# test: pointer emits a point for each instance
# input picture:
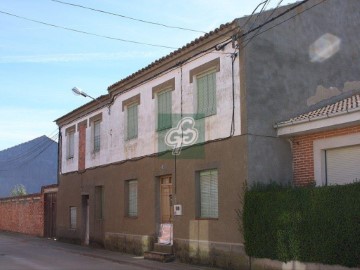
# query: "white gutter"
(309, 119)
(320, 123)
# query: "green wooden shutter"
(209, 194)
(132, 198)
(201, 96)
(132, 122)
(211, 93)
(164, 110)
(70, 149)
(206, 94)
(96, 136)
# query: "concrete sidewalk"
(56, 249)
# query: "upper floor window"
(164, 110)
(131, 106)
(95, 123)
(70, 142)
(132, 122)
(205, 77)
(163, 93)
(97, 136)
(206, 94)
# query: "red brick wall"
(303, 156)
(82, 145)
(23, 214)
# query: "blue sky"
(40, 64)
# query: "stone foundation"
(129, 243)
(223, 255)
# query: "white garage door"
(343, 165)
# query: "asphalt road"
(19, 252)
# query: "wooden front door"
(50, 214)
(166, 199)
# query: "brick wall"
(23, 214)
(303, 155)
(82, 145)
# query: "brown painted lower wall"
(23, 214)
(227, 156)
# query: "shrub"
(320, 224)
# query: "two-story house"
(120, 178)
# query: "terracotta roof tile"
(341, 106)
(160, 60)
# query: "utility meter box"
(177, 210)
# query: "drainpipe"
(59, 156)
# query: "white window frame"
(96, 148)
(132, 209)
(214, 200)
(70, 141)
(319, 147)
(73, 217)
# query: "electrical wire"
(278, 5)
(250, 17)
(128, 17)
(276, 8)
(35, 156)
(280, 23)
(211, 49)
(206, 51)
(29, 159)
(223, 43)
(259, 14)
(85, 32)
(233, 58)
(275, 18)
(29, 155)
(31, 149)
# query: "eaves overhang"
(329, 121)
(190, 50)
(83, 110)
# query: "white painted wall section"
(115, 148)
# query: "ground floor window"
(337, 159)
(342, 165)
(208, 194)
(73, 215)
(132, 188)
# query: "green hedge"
(310, 224)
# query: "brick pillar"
(82, 144)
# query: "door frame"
(85, 224)
(50, 214)
(170, 184)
